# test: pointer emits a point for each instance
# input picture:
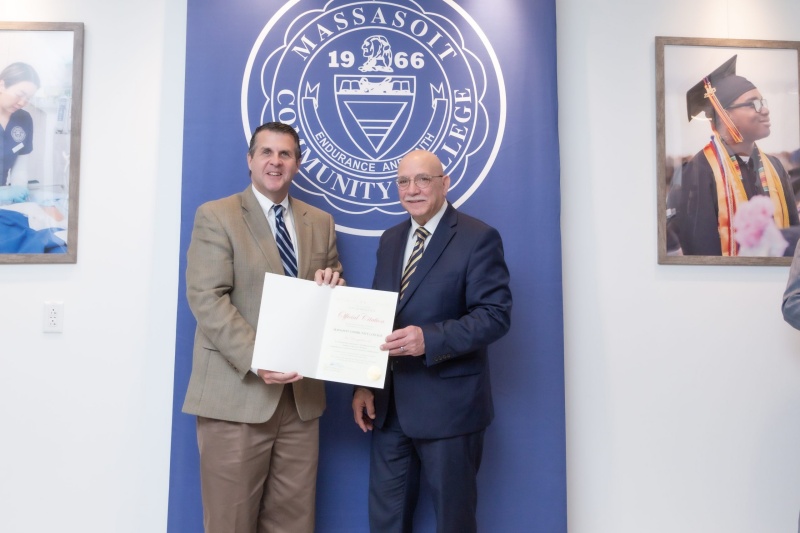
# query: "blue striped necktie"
(284, 243)
(421, 234)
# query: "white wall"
(85, 416)
(683, 382)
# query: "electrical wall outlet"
(53, 317)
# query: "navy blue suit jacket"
(459, 296)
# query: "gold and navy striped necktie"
(421, 234)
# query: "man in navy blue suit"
(429, 419)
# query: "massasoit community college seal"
(366, 82)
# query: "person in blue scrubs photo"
(18, 83)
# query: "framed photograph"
(728, 132)
(41, 72)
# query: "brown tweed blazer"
(231, 249)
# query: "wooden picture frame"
(681, 62)
(41, 141)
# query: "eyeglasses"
(22, 95)
(423, 181)
(758, 105)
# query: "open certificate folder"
(323, 332)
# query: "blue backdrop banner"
(365, 82)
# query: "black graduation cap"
(696, 100)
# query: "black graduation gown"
(696, 216)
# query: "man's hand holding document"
(324, 332)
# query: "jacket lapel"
(258, 225)
(303, 229)
(398, 249)
(439, 240)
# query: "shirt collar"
(432, 223)
(266, 204)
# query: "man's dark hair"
(277, 127)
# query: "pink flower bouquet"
(755, 230)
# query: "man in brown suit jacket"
(257, 430)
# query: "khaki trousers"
(259, 478)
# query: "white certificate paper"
(328, 333)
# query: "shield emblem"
(374, 110)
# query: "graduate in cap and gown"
(730, 169)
